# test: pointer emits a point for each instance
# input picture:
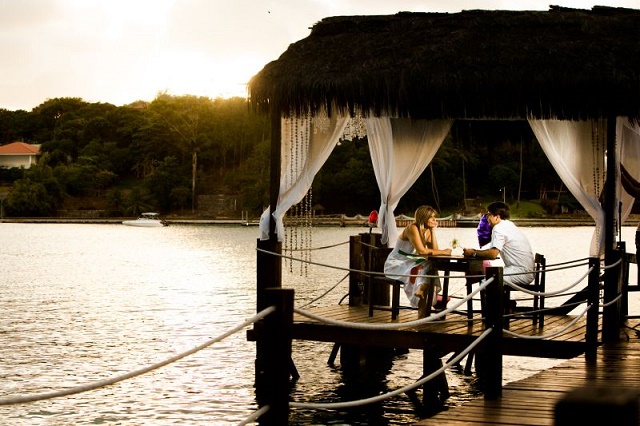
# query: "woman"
(409, 257)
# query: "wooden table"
(471, 266)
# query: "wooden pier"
(452, 334)
(350, 328)
(605, 389)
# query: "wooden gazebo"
(560, 64)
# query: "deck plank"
(532, 401)
(529, 402)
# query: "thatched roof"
(562, 63)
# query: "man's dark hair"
(498, 208)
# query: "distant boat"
(148, 220)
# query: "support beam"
(611, 314)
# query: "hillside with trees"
(202, 157)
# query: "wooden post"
(624, 280)
(610, 330)
(268, 269)
(356, 280)
(269, 275)
(611, 313)
(638, 254)
(436, 391)
(377, 255)
(593, 299)
(272, 379)
(491, 351)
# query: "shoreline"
(338, 222)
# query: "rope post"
(612, 288)
(273, 369)
(624, 276)
(492, 349)
(638, 254)
(593, 298)
(356, 279)
(269, 270)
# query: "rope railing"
(514, 286)
(461, 301)
(611, 302)
(550, 293)
(394, 326)
(616, 263)
(20, 399)
(316, 248)
(326, 292)
(255, 415)
(350, 404)
(550, 335)
(359, 271)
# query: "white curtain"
(400, 149)
(628, 137)
(305, 146)
(576, 149)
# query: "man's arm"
(491, 253)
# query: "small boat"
(148, 220)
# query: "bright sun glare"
(193, 73)
(176, 71)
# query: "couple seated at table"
(408, 260)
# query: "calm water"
(82, 303)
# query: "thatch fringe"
(562, 63)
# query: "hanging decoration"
(298, 238)
(356, 128)
(598, 133)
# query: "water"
(82, 303)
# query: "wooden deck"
(529, 402)
(450, 335)
(532, 401)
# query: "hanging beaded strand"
(597, 150)
(308, 211)
(292, 138)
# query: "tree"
(187, 120)
(164, 179)
(29, 198)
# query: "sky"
(122, 51)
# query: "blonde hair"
(423, 214)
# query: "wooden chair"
(538, 285)
(395, 306)
(395, 295)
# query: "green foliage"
(347, 183)
(29, 199)
(137, 201)
(251, 180)
(163, 154)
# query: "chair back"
(540, 265)
(540, 285)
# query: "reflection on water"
(82, 303)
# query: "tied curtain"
(401, 149)
(581, 165)
(628, 136)
(576, 150)
(306, 143)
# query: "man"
(508, 242)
